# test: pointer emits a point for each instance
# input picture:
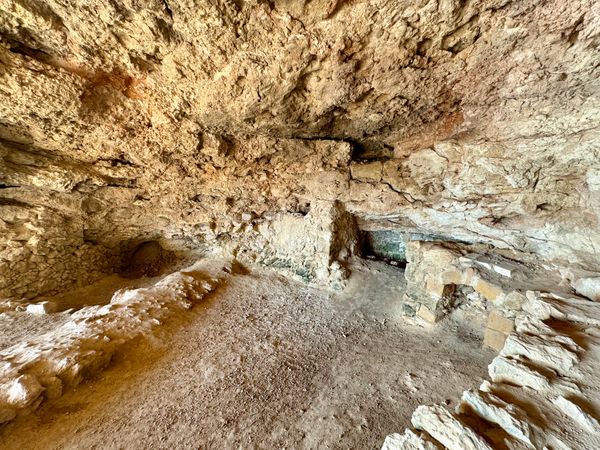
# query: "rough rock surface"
(446, 429)
(41, 366)
(548, 398)
(126, 121)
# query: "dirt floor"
(265, 362)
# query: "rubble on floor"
(543, 392)
(41, 367)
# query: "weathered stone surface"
(541, 351)
(588, 287)
(494, 339)
(84, 345)
(546, 306)
(447, 429)
(367, 171)
(513, 301)
(313, 248)
(526, 324)
(7, 414)
(582, 418)
(493, 409)
(503, 369)
(22, 391)
(499, 322)
(165, 121)
(407, 441)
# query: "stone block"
(496, 321)
(427, 315)
(41, 308)
(489, 290)
(435, 288)
(505, 269)
(494, 339)
(367, 171)
(452, 276)
(468, 275)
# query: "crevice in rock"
(116, 162)
(168, 8)
(14, 202)
(572, 34)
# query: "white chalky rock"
(447, 429)
(577, 414)
(7, 369)
(503, 268)
(551, 305)
(407, 441)
(530, 325)
(537, 307)
(588, 287)
(512, 371)
(541, 351)
(22, 391)
(555, 443)
(495, 410)
(41, 308)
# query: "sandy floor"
(267, 363)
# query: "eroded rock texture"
(196, 122)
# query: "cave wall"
(199, 122)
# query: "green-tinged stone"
(387, 244)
